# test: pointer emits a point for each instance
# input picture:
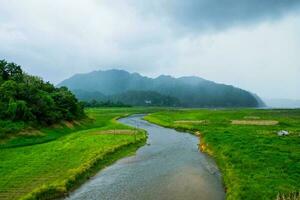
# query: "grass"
(293, 196)
(19, 134)
(255, 162)
(49, 164)
(8, 127)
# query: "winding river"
(169, 167)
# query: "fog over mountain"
(135, 89)
(282, 103)
(252, 44)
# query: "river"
(170, 166)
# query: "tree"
(10, 71)
(28, 98)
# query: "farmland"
(254, 161)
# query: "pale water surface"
(169, 167)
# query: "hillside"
(27, 99)
(190, 91)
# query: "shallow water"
(169, 167)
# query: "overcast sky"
(252, 44)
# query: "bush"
(7, 127)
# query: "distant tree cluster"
(28, 98)
(145, 98)
(94, 103)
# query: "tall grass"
(292, 196)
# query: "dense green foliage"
(96, 104)
(52, 168)
(29, 99)
(89, 95)
(8, 127)
(130, 98)
(255, 162)
(164, 90)
(145, 98)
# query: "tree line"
(28, 98)
(94, 104)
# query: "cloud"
(263, 59)
(204, 15)
(218, 40)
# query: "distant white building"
(148, 101)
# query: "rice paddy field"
(47, 163)
(254, 161)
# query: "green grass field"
(255, 162)
(48, 164)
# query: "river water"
(169, 167)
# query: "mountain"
(88, 95)
(188, 91)
(260, 102)
(145, 98)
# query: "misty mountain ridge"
(102, 79)
(188, 91)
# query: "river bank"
(254, 161)
(50, 169)
(169, 167)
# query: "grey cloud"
(212, 39)
(203, 15)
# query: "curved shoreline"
(62, 190)
(152, 170)
(58, 190)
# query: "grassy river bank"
(57, 159)
(255, 162)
